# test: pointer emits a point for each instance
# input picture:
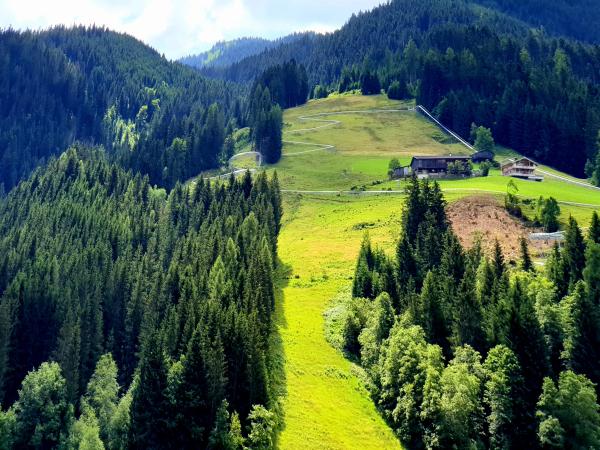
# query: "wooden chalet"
(521, 167)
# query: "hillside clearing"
(326, 406)
(325, 403)
(483, 217)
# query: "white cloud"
(181, 27)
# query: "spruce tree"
(406, 266)
(526, 262)
(434, 308)
(149, 407)
(467, 316)
(414, 210)
(499, 266)
(573, 254)
(594, 231)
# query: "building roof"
(435, 162)
(484, 154)
(506, 162)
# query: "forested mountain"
(577, 19)
(175, 290)
(230, 52)
(368, 36)
(538, 94)
(94, 85)
(464, 351)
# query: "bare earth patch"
(485, 217)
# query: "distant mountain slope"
(230, 52)
(467, 63)
(578, 19)
(57, 87)
(371, 34)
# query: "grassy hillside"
(326, 404)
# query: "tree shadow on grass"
(277, 354)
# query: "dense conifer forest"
(223, 54)
(107, 282)
(577, 19)
(461, 348)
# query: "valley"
(227, 250)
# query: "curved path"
(257, 155)
(329, 123)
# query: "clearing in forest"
(325, 402)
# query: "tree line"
(133, 318)
(464, 350)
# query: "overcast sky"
(182, 27)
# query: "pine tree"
(362, 286)
(526, 262)
(102, 394)
(527, 342)
(573, 254)
(499, 266)
(406, 266)
(149, 407)
(413, 212)
(67, 353)
(594, 231)
(467, 320)
(433, 309)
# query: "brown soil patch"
(485, 217)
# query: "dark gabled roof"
(484, 154)
(435, 162)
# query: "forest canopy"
(139, 317)
(464, 351)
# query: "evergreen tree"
(362, 285)
(526, 262)
(149, 408)
(467, 317)
(369, 83)
(549, 215)
(594, 231)
(573, 254)
(434, 310)
(101, 397)
(220, 437)
(499, 267)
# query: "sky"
(182, 27)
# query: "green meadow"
(325, 402)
